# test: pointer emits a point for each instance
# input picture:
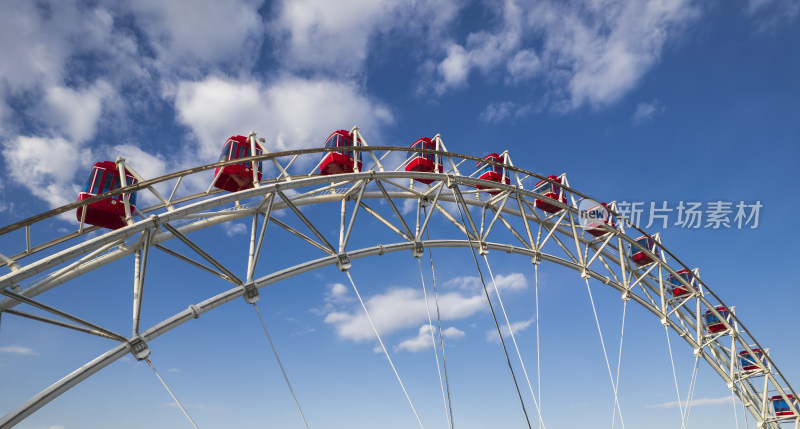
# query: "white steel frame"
(541, 236)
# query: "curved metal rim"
(116, 236)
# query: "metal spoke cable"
(513, 338)
(538, 359)
(283, 371)
(377, 335)
(744, 416)
(608, 365)
(619, 361)
(439, 320)
(171, 394)
(690, 395)
(674, 374)
(735, 415)
(494, 317)
(433, 341)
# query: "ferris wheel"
(491, 206)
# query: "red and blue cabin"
(677, 288)
(108, 212)
(237, 177)
(492, 172)
(640, 257)
(423, 162)
(713, 323)
(748, 361)
(781, 407)
(595, 229)
(552, 191)
(340, 161)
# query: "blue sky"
(651, 101)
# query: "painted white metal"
(644, 285)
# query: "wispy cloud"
(517, 327)
(582, 52)
(423, 340)
(695, 403)
(19, 350)
(498, 111)
(400, 308)
(234, 228)
(768, 15)
(645, 111)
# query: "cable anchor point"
(251, 295)
(139, 348)
(343, 262)
(418, 251)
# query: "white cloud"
(511, 281)
(498, 111)
(587, 52)
(400, 308)
(174, 370)
(769, 14)
(234, 228)
(19, 350)
(53, 427)
(338, 293)
(517, 327)
(334, 38)
(695, 402)
(46, 167)
(645, 111)
(453, 332)
(75, 112)
(207, 31)
(290, 112)
(423, 340)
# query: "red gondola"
(594, 227)
(424, 162)
(781, 407)
(552, 191)
(236, 177)
(713, 323)
(638, 256)
(109, 212)
(748, 362)
(495, 173)
(339, 162)
(677, 288)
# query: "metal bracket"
(139, 348)
(536, 259)
(251, 293)
(451, 183)
(344, 262)
(483, 249)
(418, 251)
